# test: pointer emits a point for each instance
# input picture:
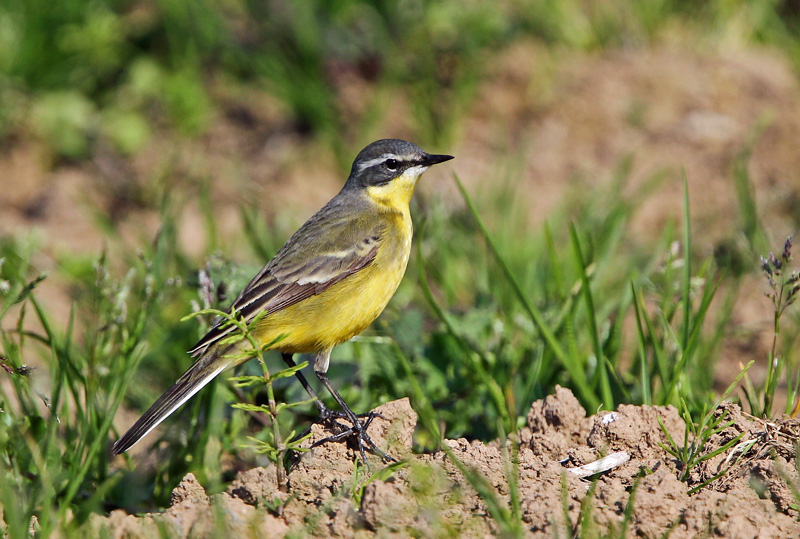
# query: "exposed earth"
(427, 495)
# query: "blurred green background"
(145, 141)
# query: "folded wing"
(296, 274)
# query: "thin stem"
(280, 473)
(773, 359)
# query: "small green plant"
(361, 480)
(585, 527)
(627, 515)
(276, 447)
(692, 451)
(784, 286)
(671, 341)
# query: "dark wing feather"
(307, 265)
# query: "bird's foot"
(356, 433)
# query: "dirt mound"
(428, 495)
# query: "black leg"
(304, 382)
(326, 415)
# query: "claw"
(359, 432)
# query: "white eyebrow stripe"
(379, 160)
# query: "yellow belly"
(346, 308)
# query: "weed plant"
(783, 286)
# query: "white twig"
(602, 465)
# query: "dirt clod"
(636, 429)
(254, 485)
(189, 489)
(555, 425)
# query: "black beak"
(429, 160)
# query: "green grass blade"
(686, 301)
(552, 256)
(509, 527)
(422, 403)
(494, 388)
(591, 316)
(644, 370)
(574, 369)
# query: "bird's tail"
(199, 374)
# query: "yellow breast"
(348, 307)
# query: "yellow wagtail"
(328, 283)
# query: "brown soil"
(427, 496)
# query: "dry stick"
(601, 465)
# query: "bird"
(328, 283)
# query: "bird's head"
(388, 170)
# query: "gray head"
(388, 159)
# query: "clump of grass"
(692, 451)
(672, 338)
(53, 443)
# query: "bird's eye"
(391, 164)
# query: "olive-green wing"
(318, 256)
